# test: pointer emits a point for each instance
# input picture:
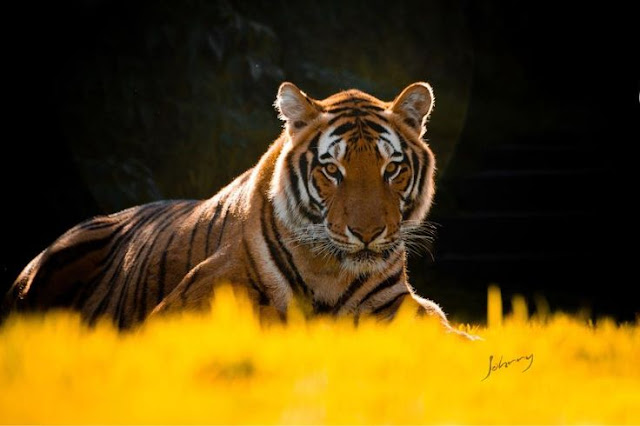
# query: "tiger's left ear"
(295, 107)
(414, 105)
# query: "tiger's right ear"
(295, 107)
(414, 105)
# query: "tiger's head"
(354, 179)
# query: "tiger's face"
(354, 179)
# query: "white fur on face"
(332, 145)
(280, 194)
(391, 140)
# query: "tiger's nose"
(366, 235)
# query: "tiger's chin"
(368, 261)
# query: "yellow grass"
(224, 367)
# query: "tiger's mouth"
(367, 260)
(367, 256)
(364, 255)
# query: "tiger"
(324, 219)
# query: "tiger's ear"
(414, 105)
(295, 107)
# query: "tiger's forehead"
(354, 133)
(354, 122)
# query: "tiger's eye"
(331, 168)
(391, 167)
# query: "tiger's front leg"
(422, 307)
(196, 290)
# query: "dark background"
(117, 103)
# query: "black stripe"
(122, 297)
(193, 236)
(303, 164)
(389, 282)
(422, 173)
(413, 160)
(313, 199)
(162, 273)
(313, 145)
(293, 179)
(262, 298)
(163, 261)
(295, 186)
(304, 169)
(403, 143)
(389, 303)
(373, 107)
(242, 179)
(387, 252)
(356, 113)
(343, 128)
(210, 227)
(380, 117)
(320, 307)
(259, 287)
(309, 215)
(335, 141)
(375, 126)
(293, 206)
(387, 141)
(351, 289)
(317, 202)
(418, 167)
(273, 252)
(93, 225)
(419, 175)
(193, 279)
(338, 110)
(290, 263)
(354, 100)
(336, 118)
(411, 122)
(223, 226)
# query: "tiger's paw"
(464, 334)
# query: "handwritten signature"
(506, 364)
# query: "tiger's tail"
(12, 299)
